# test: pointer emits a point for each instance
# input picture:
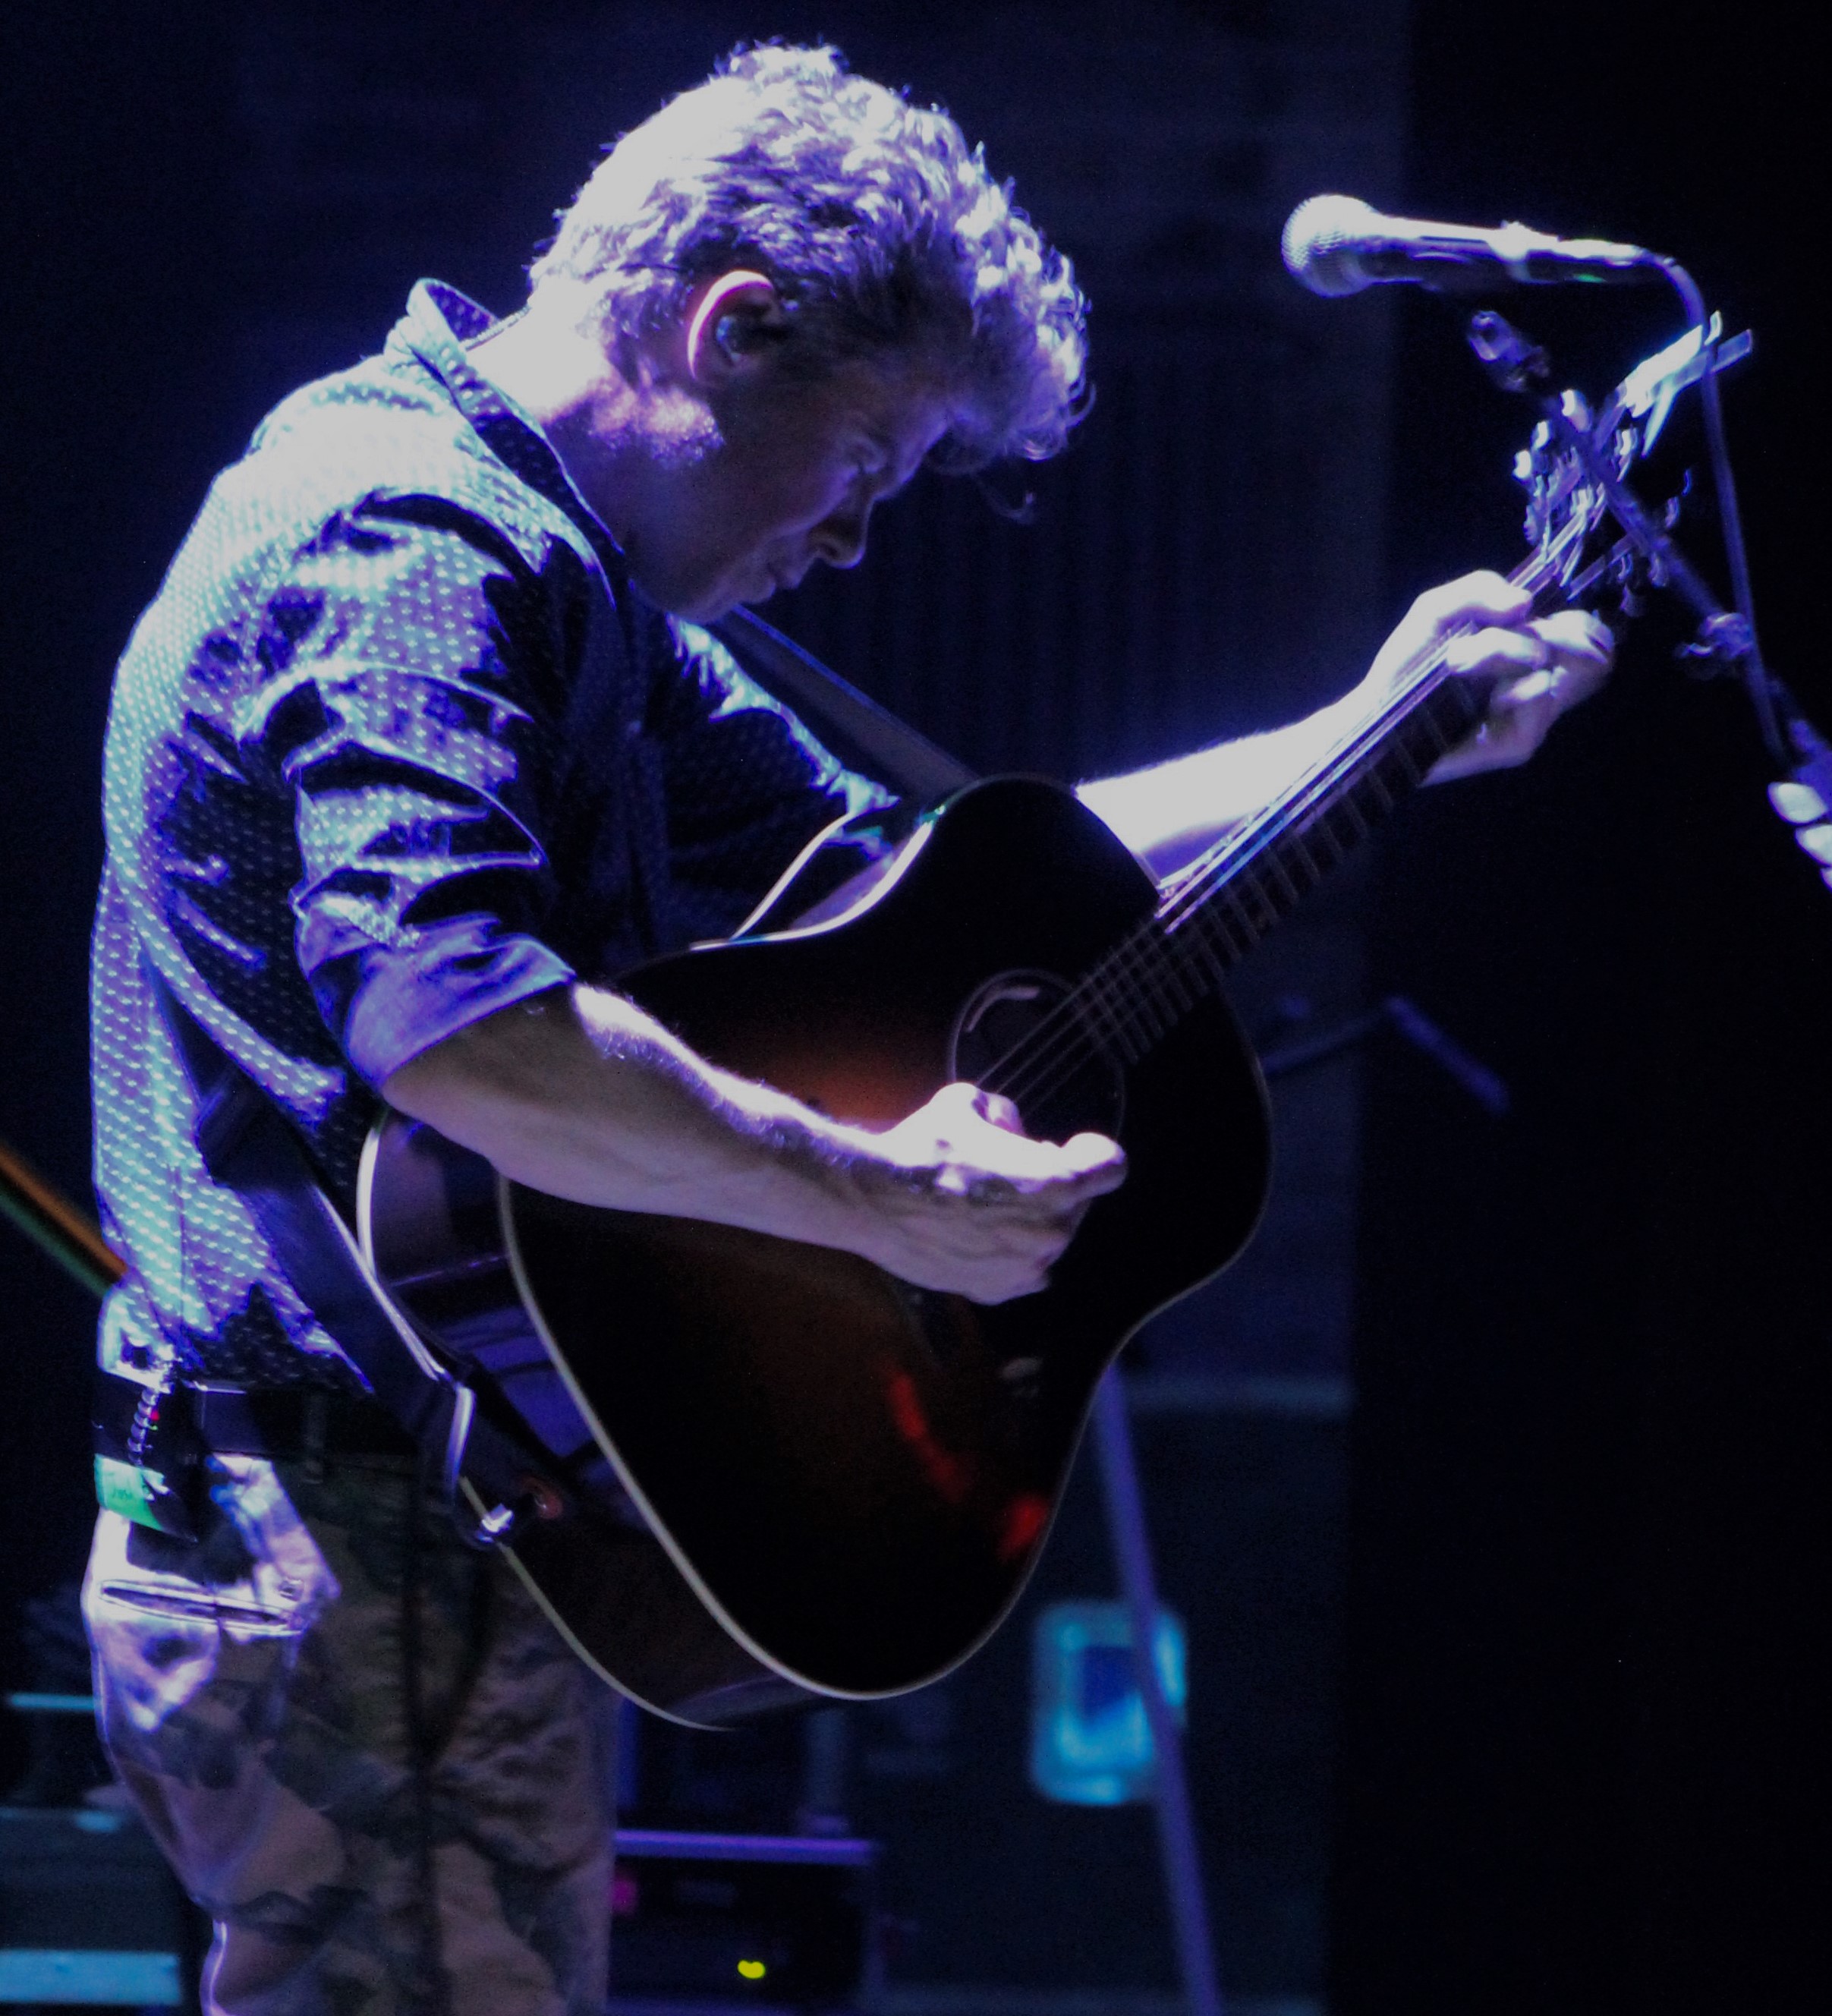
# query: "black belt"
(288, 1422)
(281, 1423)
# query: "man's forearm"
(579, 1093)
(1169, 813)
(1534, 669)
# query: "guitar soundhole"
(1015, 1036)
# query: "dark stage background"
(1487, 1483)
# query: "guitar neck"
(1219, 908)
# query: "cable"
(1761, 689)
(429, 1994)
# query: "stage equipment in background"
(778, 1922)
(1336, 245)
(1090, 1738)
(1176, 1828)
(89, 1912)
(64, 1762)
(1396, 1012)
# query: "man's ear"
(731, 327)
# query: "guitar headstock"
(1571, 460)
(1576, 470)
(1576, 459)
(1564, 508)
(1567, 514)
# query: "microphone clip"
(1515, 362)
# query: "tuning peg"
(1800, 804)
(1723, 639)
(1817, 840)
(1514, 361)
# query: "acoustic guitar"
(782, 1474)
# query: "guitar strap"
(864, 735)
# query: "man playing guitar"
(419, 742)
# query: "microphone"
(1337, 245)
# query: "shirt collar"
(439, 321)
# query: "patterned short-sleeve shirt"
(396, 745)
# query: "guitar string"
(1134, 987)
(1123, 983)
(1135, 965)
(1148, 981)
(1131, 983)
(1113, 1004)
(1180, 959)
(1156, 978)
(1070, 1032)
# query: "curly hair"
(879, 227)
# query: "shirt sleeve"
(412, 660)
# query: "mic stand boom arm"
(1805, 799)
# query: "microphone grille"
(1319, 243)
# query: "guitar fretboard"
(1216, 910)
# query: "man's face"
(790, 478)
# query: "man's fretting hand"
(1542, 666)
(1168, 814)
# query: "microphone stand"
(1728, 636)
(1763, 688)
(1177, 1852)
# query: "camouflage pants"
(364, 1750)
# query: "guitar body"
(793, 1474)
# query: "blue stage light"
(1090, 1743)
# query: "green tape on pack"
(142, 1495)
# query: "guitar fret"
(1200, 939)
(1320, 850)
(1255, 908)
(1219, 910)
(1183, 997)
(1216, 923)
(1345, 808)
(1206, 944)
(1293, 893)
(1399, 757)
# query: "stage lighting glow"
(1090, 1743)
(753, 1969)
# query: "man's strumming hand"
(959, 1197)
(579, 1093)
